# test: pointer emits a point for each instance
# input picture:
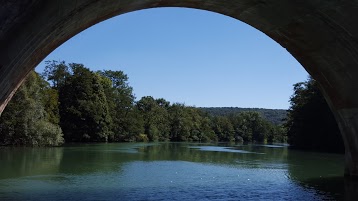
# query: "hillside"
(275, 116)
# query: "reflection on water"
(24, 161)
(176, 171)
(222, 149)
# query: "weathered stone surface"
(322, 35)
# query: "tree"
(162, 121)
(310, 122)
(84, 108)
(223, 128)
(206, 132)
(155, 117)
(180, 124)
(49, 98)
(276, 133)
(251, 126)
(25, 120)
(127, 123)
(56, 72)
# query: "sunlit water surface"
(171, 171)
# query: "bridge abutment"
(348, 122)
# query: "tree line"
(275, 116)
(71, 103)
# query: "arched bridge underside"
(321, 34)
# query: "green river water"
(171, 171)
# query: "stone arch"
(321, 35)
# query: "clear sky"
(189, 56)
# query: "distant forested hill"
(275, 116)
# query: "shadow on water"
(338, 188)
(322, 173)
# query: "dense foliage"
(84, 109)
(71, 103)
(100, 107)
(275, 116)
(31, 118)
(310, 123)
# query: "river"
(171, 171)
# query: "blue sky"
(189, 56)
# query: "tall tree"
(180, 124)
(56, 72)
(310, 123)
(155, 117)
(223, 128)
(84, 108)
(127, 124)
(251, 126)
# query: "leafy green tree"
(223, 128)
(84, 108)
(195, 123)
(127, 123)
(51, 103)
(155, 117)
(147, 107)
(25, 120)
(276, 133)
(180, 123)
(56, 72)
(310, 123)
(251, 126)
(162, 121)
(206, 132)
